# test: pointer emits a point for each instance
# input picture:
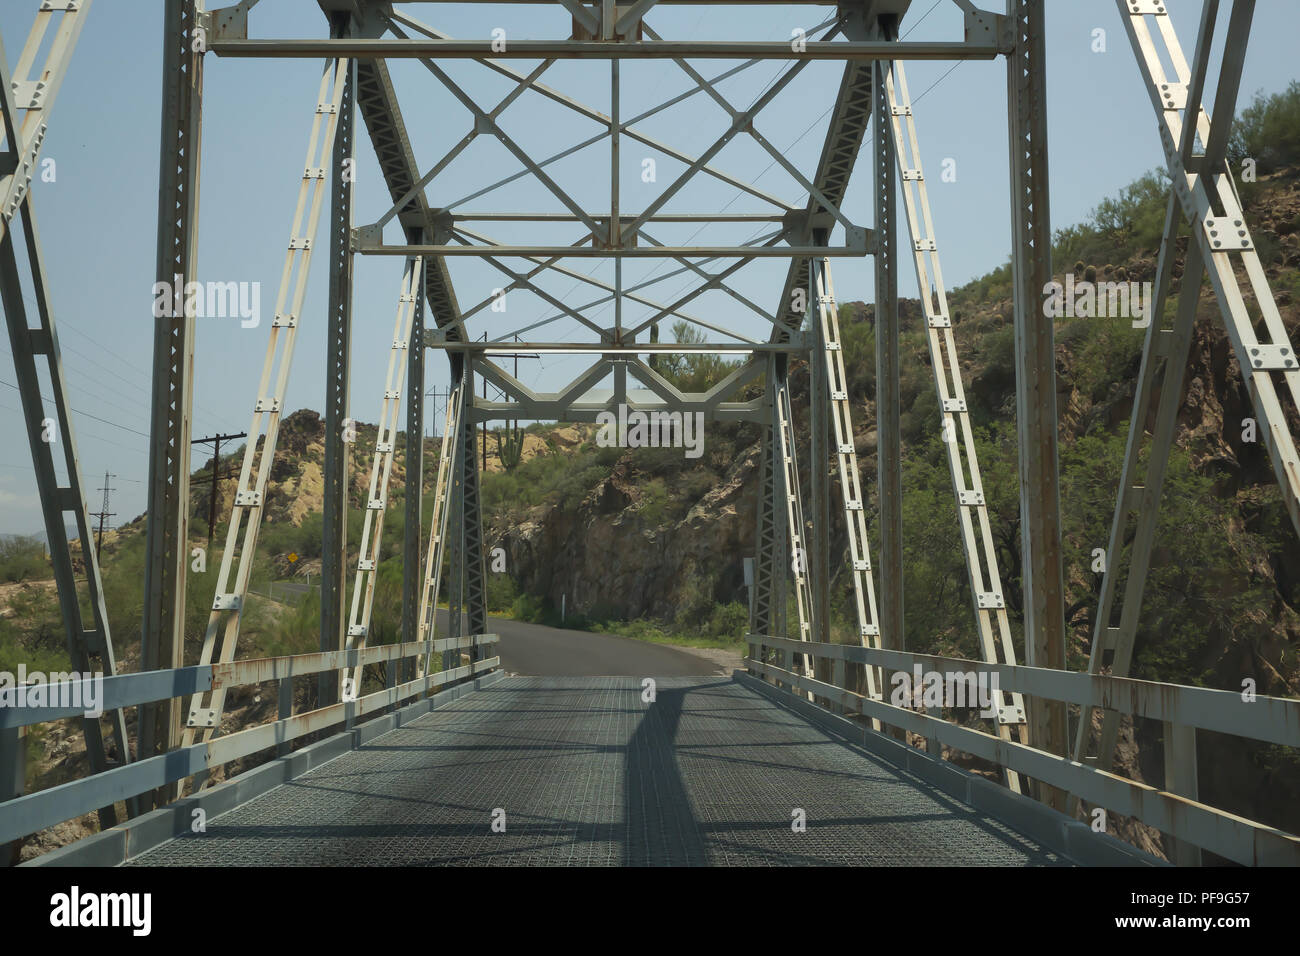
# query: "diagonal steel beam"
(377, 103)
(464, 142)
(628, 129)
(519, 153)
(844, 137)
(739, 122)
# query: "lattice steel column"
(776, 468)
(770, 549)
(221, 636)
(426, 625)
(468, 595)
(819, 491)
(338, 357)
(475, 581)
(760, 615)
(889, 453)
(795, 523)
(987, 593)
(166, 563)
(766, 535)
(463, 445)
(1031, 267)
(412, 579)
(381, 469)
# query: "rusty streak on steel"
(1226, 834)
(1271, 719)
(241, 673)
(35, 812)
(124, 690)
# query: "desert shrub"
(696, 372)
(728, 621)
(1268, 131)
(22, 558)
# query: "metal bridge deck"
(588, 774)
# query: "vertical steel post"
(412, 577)
(338, 358)
(463, 459)
(475, 581)
(1031, 266)
(889, 455)
(285, 711)
(763, 607)
(163, 635)
(1181, 778)
(780, 545)
(819, 538)
(13, 780)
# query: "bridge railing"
(31, 813)
(1183, 709)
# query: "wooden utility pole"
(215, 441)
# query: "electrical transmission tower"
(103, 514)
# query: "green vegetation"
(697, 371)
(1132, 223)
(1268, 131)
(22, 558)
(510, 446)
(723, 627)
(556, 478)
(1120, 228)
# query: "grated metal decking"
(588, 774)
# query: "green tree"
(693, 371)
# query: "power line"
(83, 434)
(80, 386)
(66, 323)
(923, 16)
(80, 412)
(937, 82)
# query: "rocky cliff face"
(612, 556)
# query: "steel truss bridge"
(588, 770)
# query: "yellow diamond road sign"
(293, 557)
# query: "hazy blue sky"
(98, 219)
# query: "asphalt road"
(533, 650)
(537, 651)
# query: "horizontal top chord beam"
(434, 340)
(599, 49)
(636, 252)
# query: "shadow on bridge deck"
(587, 773)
